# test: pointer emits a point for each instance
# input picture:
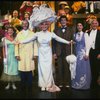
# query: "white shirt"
(92, 37)
(25, 32)
(87, 44)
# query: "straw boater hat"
(67, 7)
(63, 2)
(41, 14)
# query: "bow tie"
(63, 29)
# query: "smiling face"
(44, 26)
(25, 24)
(26, 16)
(94, 24)
(10, 31)
(67, 10)
(63, 21)
(79, 27)
(15, 13)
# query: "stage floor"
(36, 93)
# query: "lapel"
(89, 33)
(66, 34)
(97, 37)
(60, 32)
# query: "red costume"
(24, 9)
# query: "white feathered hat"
(41, 14)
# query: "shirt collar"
(94, 30)
(25, 30)
(81, 32)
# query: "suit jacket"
(97, 42)
(57, 46)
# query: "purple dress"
(83, 73)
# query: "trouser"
(26, 79)
(63, 75)
(95, 67)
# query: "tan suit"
(25, 52)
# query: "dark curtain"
(10, 6)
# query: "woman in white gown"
(40, 17)
(45, 72)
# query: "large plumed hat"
(41, 14)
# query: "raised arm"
(29, 39)
(59, 39)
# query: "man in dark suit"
(94, 53)
(60, 51)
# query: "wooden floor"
(36, 93)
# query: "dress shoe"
(60, 86)
(14, 87)
(67, 86)
(42, 89)
(7, 87)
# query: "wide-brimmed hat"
(50, 20)
(63, 2)
(41, 14)
(66, 7)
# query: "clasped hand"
(16, 42)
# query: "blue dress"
(10, 71)
(83, 73)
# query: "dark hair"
(11, 27)
(60, 6)
(63, 16)
(79, 23)
(26, 21)
(82, 25)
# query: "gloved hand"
(5, 60)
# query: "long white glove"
(5, 61)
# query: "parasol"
(71, 59)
